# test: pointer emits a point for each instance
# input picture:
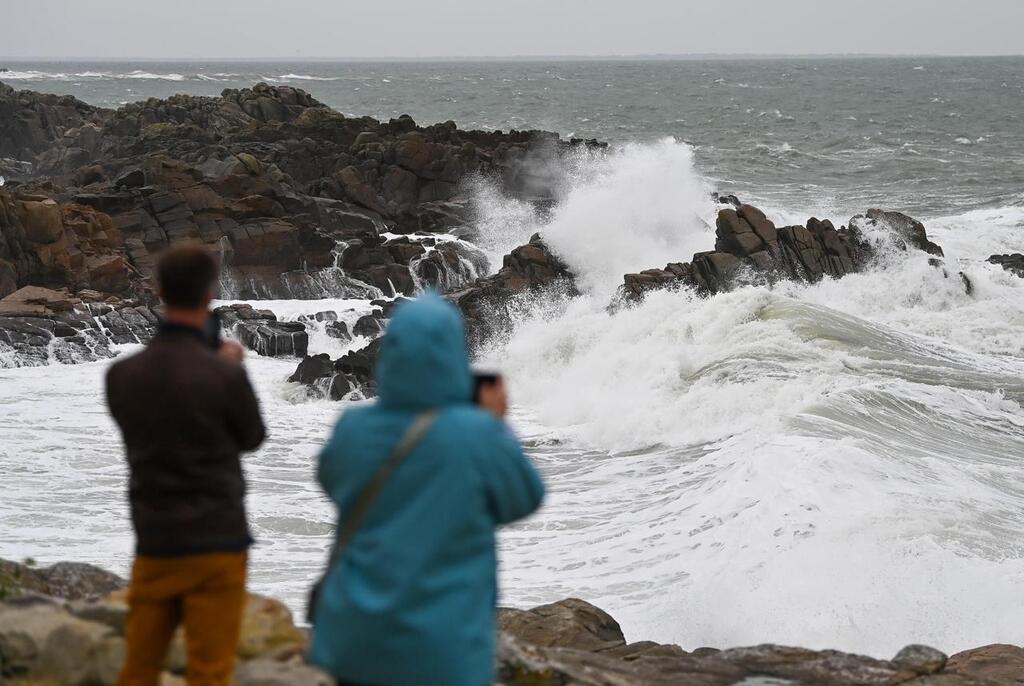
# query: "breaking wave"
(825, 464)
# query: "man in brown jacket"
(186, 410)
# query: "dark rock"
(360, 363)
(749, 247)
(31, 122)
(340, 387)
(313, 367)
(722, 199)
(338, 330)
(907, 229)
(64, 624)
(528, 268)
(231, 315)
(1012, 263)
(274, 339)
(133, 178)
(388, 306)
(369, 325)
(273, 180)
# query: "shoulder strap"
(412, 436)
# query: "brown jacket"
(185, 414)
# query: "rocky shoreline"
(64, 625)
(302, 202)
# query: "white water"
(832, 465)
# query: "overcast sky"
(467, 28)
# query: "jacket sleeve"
(514, 487)
(244, 417)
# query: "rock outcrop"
(259, 330)
(487, 306)
(750, 248)
(296, 198)
(46, 242)
(487, 303)
(48, 639)
(31, 123)
(40, 325)
(351, 375)
(1012, 263)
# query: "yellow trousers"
(205, 593)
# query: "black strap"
(413, 435)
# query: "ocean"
(829, 465)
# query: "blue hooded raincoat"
(412, 600)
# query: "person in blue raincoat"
(412, 598)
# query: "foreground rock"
(64, 625)
(79, 640)
(68, 580)
(750, 248)
(1000, 663)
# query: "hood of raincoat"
(423, 360)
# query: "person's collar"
(178, 327)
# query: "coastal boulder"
(485, 304)
(906, 230)
(40, 641)
(570, 623)
(311, 368)
(260, 331)
(274, 339)
(68, 580)
(1012, 263)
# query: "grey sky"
(422, 28)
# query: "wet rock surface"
(259, 331)
(46, 637)
(268, 175)
(486, 304)
(40, 325)
(749, 248)
(296, 198)
(1012, 263)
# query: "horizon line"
(513, 58)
